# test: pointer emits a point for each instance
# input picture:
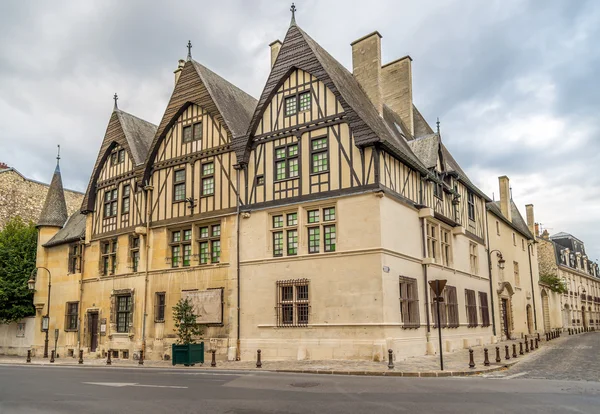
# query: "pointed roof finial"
(438, 126)
(189, 47)
(293, 10)
(58, 156)
(116, 98)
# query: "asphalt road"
(53, 389)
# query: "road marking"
(520, 374)
(130, 384)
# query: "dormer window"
(297, 103)
(192, 133)
(117, 157)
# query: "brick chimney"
(530, 218)
(275, 48)
(177, 71)
(505, 197)
(366, 66)
(396, 78)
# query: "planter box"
(188, 355)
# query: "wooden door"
(505, 318)
(93, 330)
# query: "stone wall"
(16, 338)
(22, 197)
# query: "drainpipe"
(489, 257)
(424, 247)
(529, 250)
(238, 350)
(148, 191)
(80, 321)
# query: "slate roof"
(235, 105)
(73, 230)
(139, 134)
(421, 126)
(518, 223)
(54, 212)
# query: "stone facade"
(20, 196)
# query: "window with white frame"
(110, 203)
(209, 243)
(432, 240)
(292, 302)
(208, 179)
(181, 247)
(286, 162)
(473, 258)
(471, 205)
(446, 249)
(319, 155)
(321, 229)
(108, 257)
(284, 233)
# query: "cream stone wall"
(16, 337)
(25, 198)
(519, 293)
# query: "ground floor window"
(292, 302)
(123, 313)
(448, 309)
(71, 316)
(409, 302)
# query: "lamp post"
(501, 263)
(46, 318)
(582, 309)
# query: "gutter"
(238, 350)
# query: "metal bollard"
(538, 336)
(141, 361)
(390, 359)
(81, 356)
(213, 363)
(547, 338)
(531, 345)
(498, 359)
(507, 356)
(258, 361)
(526, 346)
(520, 348)
(536, 343)
(52, 357)
(486, 360)
(514, 355)
(29, 356)
(108, 360)
(471, 360)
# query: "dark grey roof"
(420, 125)
(54, 212)
(517, 220)
(426, 148)
(73, 230)
(235, 106)
(139, 134)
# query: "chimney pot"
(275, 48)
(505, 197)
(366, 67)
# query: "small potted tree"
(187, 350)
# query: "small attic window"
(187, 134)
(117, 157)
(291, 107)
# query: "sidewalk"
(455, 363)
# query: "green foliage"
(18, 244)
(553, 282)
(185, 322)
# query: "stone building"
(307, 223)
(21, 196)
(514, 267)
(563, 256)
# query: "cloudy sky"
(514, 82)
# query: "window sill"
(71, 330)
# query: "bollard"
(258, 361)
(538, 336)
(520, 348)
(81, 356)
(471, 360)
(29, 356)
(141, 361)
(213, 363)
(108, 360)
(531, 345)
(52, 357)
(507, 356)
(569, 331)
(514, 355)
(486, 360)
(536, 343)
(390, 359)
(498, 359)
(526, 346)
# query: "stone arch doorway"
(529, 319)
(505, 293)
(546, 310)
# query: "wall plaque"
(208, 305)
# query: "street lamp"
(46, 318)
(501, 264)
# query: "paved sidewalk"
(455, 363)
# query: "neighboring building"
(563, 255)
(516, 291)
(20, 196)
(306, 224)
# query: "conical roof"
(54, 213)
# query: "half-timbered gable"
(191, 163)
(112, 198)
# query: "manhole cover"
(305, 384)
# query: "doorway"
(546, 310)
(93, 330)
(505, 326)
